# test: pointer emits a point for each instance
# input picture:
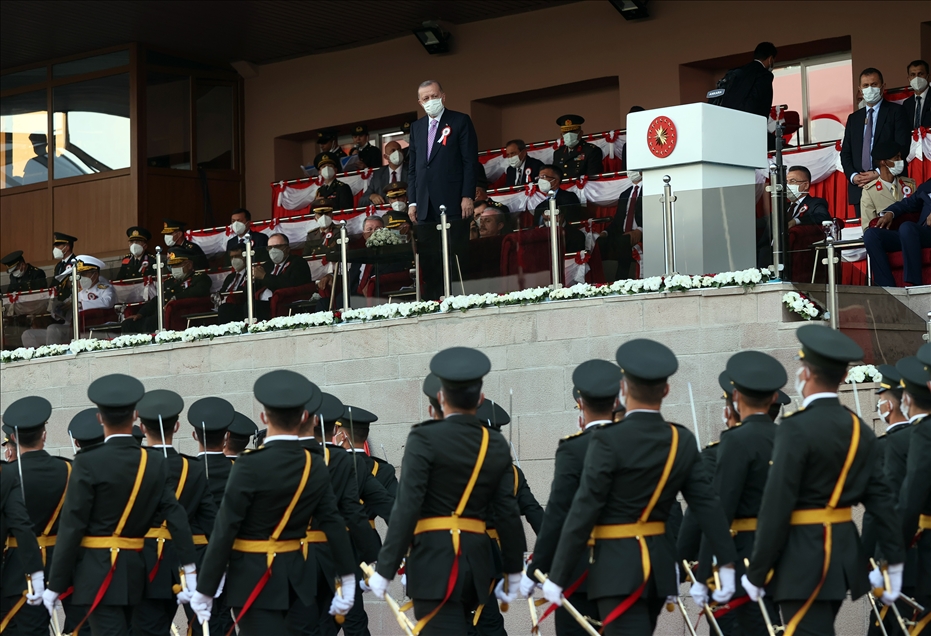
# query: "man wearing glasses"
(803, 208)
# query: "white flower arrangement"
(383, 236)
(863, 373)
(674, 283)
(802, 305)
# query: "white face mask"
(514, 161)
(872, 94)
(328, 172)
(799, 382)
(177, 272)
(238, 227)
(634, 176)
(897, 167)
(395, 158)
(16, 273)
(724, 416)
(918, 84)
(879, 410)
(238, 264)
(622, 395)
(398, 206)
(571, 139)
(276, 254)
(86, 283)
(135, 249)
(794, 192)
(433, 107)
(57, 253)
(906, 405)
(325, 220)
(544, 185)
(169, 240)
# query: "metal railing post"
(668, 229)
(344, 263)
(832, 275)
(250, 307)
(417, 276)
(554, 240)
(443, 227)
(158, 288)
(75, 302)
(775, 216)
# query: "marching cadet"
(431, 388)
(158, 412)
(576, 157)
(353, 429)
(173, 233)
(633, 470)
(741, 469)
(138, 262)
(210, 417)
(184, 283)
(241, 432)
(272, 494)
(15, 523)
(84, 430)
(597, 383)
(23, 276)
(117, 491)
(454, 472)
(824, 461)
(44, 480)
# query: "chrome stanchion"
(417, 276)
(832, 275)
(554, 240)
(344, 263)
(443, 227)
(75, 303)
(668, 229)
(250, 299)
(158, 288)
(775, 216)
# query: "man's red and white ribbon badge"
(444, 134)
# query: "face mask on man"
(325, 220)
(872, 94)
(395, 158)
(169, 240)
(16, 273)
(238, 227)
(514, 161)
(897, 167)
(433, 107)
(238, 264)
(57, 253)
(398, 206)
(799, 382)
(276, 254)
(135, 249)
(635, 176)
(86, 282)
(328, 172)
(794, 192)
(906, 405)
(544, 185)
(177, 272)
(918, 84)
(571, 139)
(883, 415)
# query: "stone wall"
(380, 366)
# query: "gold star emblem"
(659, 134)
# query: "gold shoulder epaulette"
(712, 444)
(576, 434)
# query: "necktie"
(866, 160)
(364, 278)
(276, 270)
(917, 112)
(631, 209)
(431, 137)
(394, 176)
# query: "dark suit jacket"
(337, 194)
(567, 202)
(448, 175)
(380, 180)
(618, 245)
(531, 164)
(14, 520)
(891, 124)
(919, 203)
(688, 542)
(909, 106)
(259, 242)
(752, 90)
(217, 471)
(814, 211)
(296, 273)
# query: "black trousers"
(153, 616)
(356, 622)
(261, 622)
(639, 619)
(30, 620)
(818, 620)
(750, 618)
(568, 626)
(430, 248)
(890, 622)
(110, 620)
(490, 622)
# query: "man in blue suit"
(441, 171)
(910, 238)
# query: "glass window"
(91, 126)
(23, 78)
(23, 130)
(829, 99)
(168, 117)
(214, 108)
(787, 89)
(91, 64)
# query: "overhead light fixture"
(433, 38)
(631, 9)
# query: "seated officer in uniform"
(138, 262)
(323, 237)
(184, 283)
(574, 156)
(890, 187)
(63, 251)
(333, 191)
(173, 232)
(23, 276)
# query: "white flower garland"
(802, 305)
(676, 282)
(863, 373)
(383, 236)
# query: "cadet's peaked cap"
(570, 122)
(170, 226)
(460, 366)
(783, 397)
(115, 390)
(283, 389)
(323, 159)
(327, 134)
(890, 380)
(243, 425)
(755, 373)
(646, 360)
(356, 415)
(597, 379)
(160, 402)
(396, 189)
(27, 413)
(61, 237)
(136, 232)
(493, 414)
(361, 129)
(826, 347)
(431, 386)
(724, 381)
(12, 258)
(87, 263)
(924, 353)
(178, 255)
(331, 408)
(915, 376)
(885, 150)
(84, 426)
(211, 414)
(137, 433)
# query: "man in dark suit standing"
(878, 121)
(917, 108)
(441, 171)
(521, 168)
(624, 235)
(752, 90)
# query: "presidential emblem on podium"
(662, 137)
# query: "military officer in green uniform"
(138, 262)
(184, 283)
(633, 471)
(158, 412)
(574, 156)
(44, 479)
(23, 276)
(272, 494)
(825, 460)
(455, 473)
(597, 383)
(333, 191)
(173, 233)
(117, 492)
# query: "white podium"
(710, 154)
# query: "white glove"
(201, 604)
(513, 588)
(876, 579)
(723, 595)
(188, 586)
(379, 585)
(220, 586)
(38, 587)
(364, 586)
(895, 581)
(49, 598)
(552, 593)
(672, 600)
(699, 593)
(345, 597)
(527, 585)
(755, 593)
